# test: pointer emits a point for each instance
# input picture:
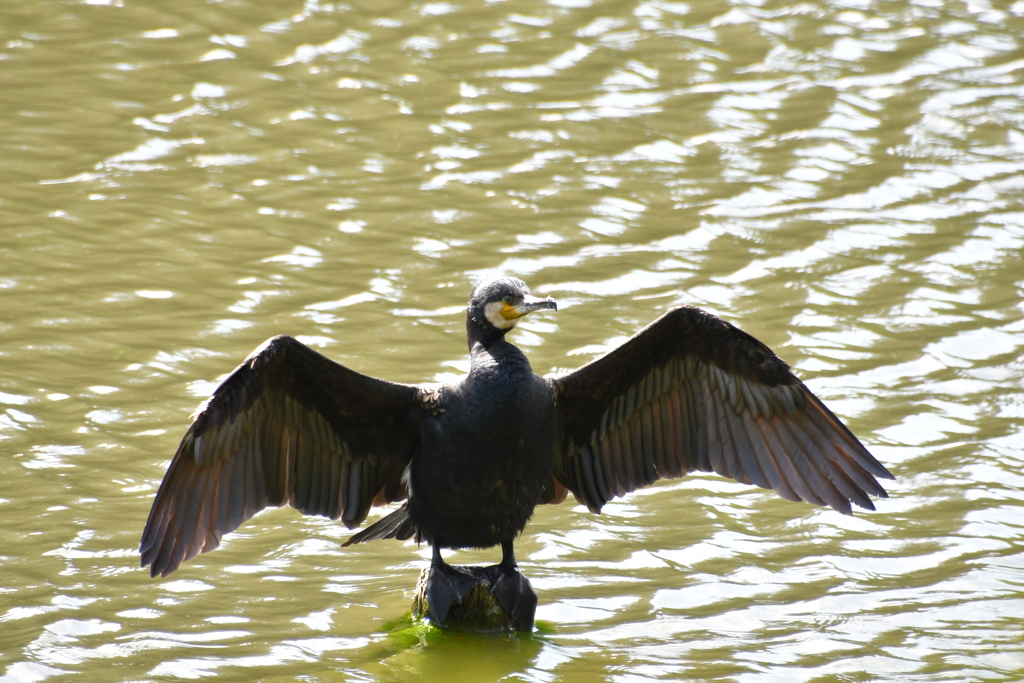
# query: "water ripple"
(843, 181)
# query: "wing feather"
(608, 468)
(747, 455)
(817, 429)
(198, 524)
(331, 481)
(585, 475)
(773, 476)
(224, 511)
(288, 426)
(621, 460)
(649, 453)
(662, 451)
(716, 401)
(692, 392)
(680, 402)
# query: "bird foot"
(447, 585)
(494, 598)
(514, 593)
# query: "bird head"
(496, 306)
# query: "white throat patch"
(492, 312)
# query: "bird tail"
(396, 525)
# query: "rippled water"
(182, 180)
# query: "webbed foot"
(495, 598)
(446, 586)
(516, 596)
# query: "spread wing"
(692, 392)
(287, 427)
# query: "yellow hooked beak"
(529, 304)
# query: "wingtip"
(144, 562)
(157, 567)
(866, 505)
(843, 507)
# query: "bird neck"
(480, 331)
(497, 358)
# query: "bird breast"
(483, 460)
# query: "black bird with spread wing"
(472, 459)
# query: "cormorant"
(472, 459)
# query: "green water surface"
(844, 180)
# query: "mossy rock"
(479, 611)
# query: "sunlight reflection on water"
(843, 182)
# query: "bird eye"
(507, 299)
